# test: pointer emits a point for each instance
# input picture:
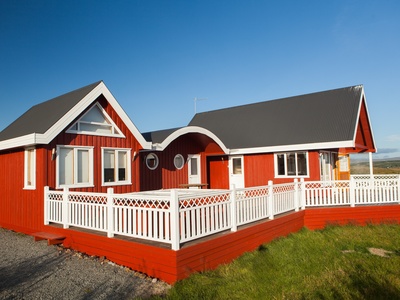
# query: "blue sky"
(157, 56)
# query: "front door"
(194, 169)
(236, 174)
(326, 166)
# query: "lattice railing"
(251, 204)
(204, 214)
(178, 216)
(326, 193)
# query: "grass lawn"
(348, 262)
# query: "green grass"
(334, 263)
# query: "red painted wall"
(166, 176)
(22, 210)
(98, 142)
(259, 169)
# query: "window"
(116, 166)
(74, 166)
(95, 122)
(292, 164)
(237, 165)
(179, 161)
(152, 161)
(30, 169)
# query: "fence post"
(233, 209)
(46, 206)
(270, 199)
(296, 194)
(302, 194)
(174, 219)
(398, 188)
(110, 213)
(352, 192)
(65, 210)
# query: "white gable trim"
(298, 147)
(70, 116)
(364, 100)
(118, 132)
(190, 129)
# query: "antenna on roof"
(195, 101)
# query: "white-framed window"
(30, 169)
(116, 166)
(152, 161)
(96, 121)
(74, 166)
(179, 161)
(291, 164)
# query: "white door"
(326, 166)
(194, 169)
(236, 174)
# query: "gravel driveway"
(33, 270)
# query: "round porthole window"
(152, 161)
(179, 161)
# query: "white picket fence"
(178, 216)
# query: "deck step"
(52, 239)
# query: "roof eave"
(298, 147)
(71, 115)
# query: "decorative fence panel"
(204, 214)
(326, 193)
(252, 204)
(178, 216)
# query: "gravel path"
(33, 270)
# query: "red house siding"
(166, 176)
(20, 209)
(98, 142)
(23, 210)
(259, 169)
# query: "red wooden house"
(308, 136)
(82, 140)
(85, 141)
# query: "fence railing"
(179, 216)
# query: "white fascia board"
(125, 118)
(190, 129)
(299, 147)
(363, 98)
(21, 141)
(101, 88)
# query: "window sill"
(75, 186)
(116, 183)
(29, 188)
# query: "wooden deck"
(158, 260)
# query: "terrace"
(175, 217)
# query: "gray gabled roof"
(323, 117)
(158, 136)
(43, 116)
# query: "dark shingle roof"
(327, 116)
(43, 116)
(158, 136)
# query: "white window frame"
(156, 160)
(75, 183)
(115, 131)
(128, 172)
(276, 166)
(30, 169)
(179, 166)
